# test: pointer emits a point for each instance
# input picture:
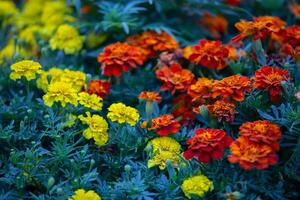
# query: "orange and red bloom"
(270, 78)
(99, 87)
(150, 96)
(215, 24)
(120, 57)
(183, 108)
(289, 39)
(207, 144)
(163, 125)
(175, 78)
(200, 90)
(210, 54)
(222, 110)
(232, 87)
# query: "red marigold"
(289, 38)
(183, 108)
(210, 54)
(99, 87)
(119, 57)
(250, 154)
(222, 110)
(215, 24)
(262, 131)
(232, 87)
(270, 78)
(150, 96)
(232, 2)
(200, 90)
(259, 28)
(175, 78)
(163, 125)
(154, 42)
(207, 144)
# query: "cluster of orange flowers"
(257, 145)
(99, 87)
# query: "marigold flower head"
(46, 77)
(25, 68)
(67, 39)
(150, 96)
(27, 35)
(121, 113)
(31, 13)
(207, 144)
(97, 130)
(8, 11)
(60, 92)
(196, 185)
(11, 49)
(210, 54)
(262, 131)
(222, 110)
(215, 24)
(232, 2)
(251, 155)
(91, 101)
(153, 42)
(260, 28)
(163, 125)
(76, 78)
(183, 108)
(120, 57)
(200, 90)
(295, 9)
(164, 144)
(270, 78)
(81, 194)
(175, 78)
(289, 38)
(232, 87)
(99, 87)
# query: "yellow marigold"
(76, 78)
(31, 13)
(27, 35)
(165, 144)
(97, 130)
(81, 194)
(60, 92)
(47, 77)
(26, 68)
(10, 50)
(90, 100)
(8, 11)
(160, 159)
(196, 185)
(67, 39)
(121, 113)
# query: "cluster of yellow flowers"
(164, 149)
(81, 194)
(119, 112)
(196, 185)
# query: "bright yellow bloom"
(90, 100)
(160, 159)
(97, 130)
(10, 50)
(67, 39)
(121, 113)
(196, 185)
(31, 13)
(165, 144)
(76, 78)
(26, 68)
(81, 194)
(8, 11)
(60, 92)
(27, 35)
(47, 77)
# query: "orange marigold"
(270, 78)
(120, 57)
(222, 110)
(215, 24)
(251, 155)
(207, 144)
(295, 9)
(232, 87)
(99, 87)
(150, 96)
(163, 125)
(183, 108)
(153, 42)
(210, 54)
(175, 78)
(289, 38)
(259, 28)
(262, 131)
(200, 90)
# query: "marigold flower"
(215, 24)
(31, 13)
(183, 108)
(27, 35)
(81, 194)
(175, 78)
(99, 87)
(8, 51)
(153, 42)
(163, 149)
(163, 125)
(97, 130)
(121, 113)
(26, 68)
(196, 185)
(262, 131)
(200, 90)
(251, 154)
(270, 78)
(289, 38)
(60, 92)
(46, 77)
(8, 11)
(90, 100)
(150, 96)
(207, 144)
(119, 57)
(67, 39)
(295, 9)
(76, 78)
(259, 28)
(232, 2)
(222, 110)
(232, 87)
(210, 54)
